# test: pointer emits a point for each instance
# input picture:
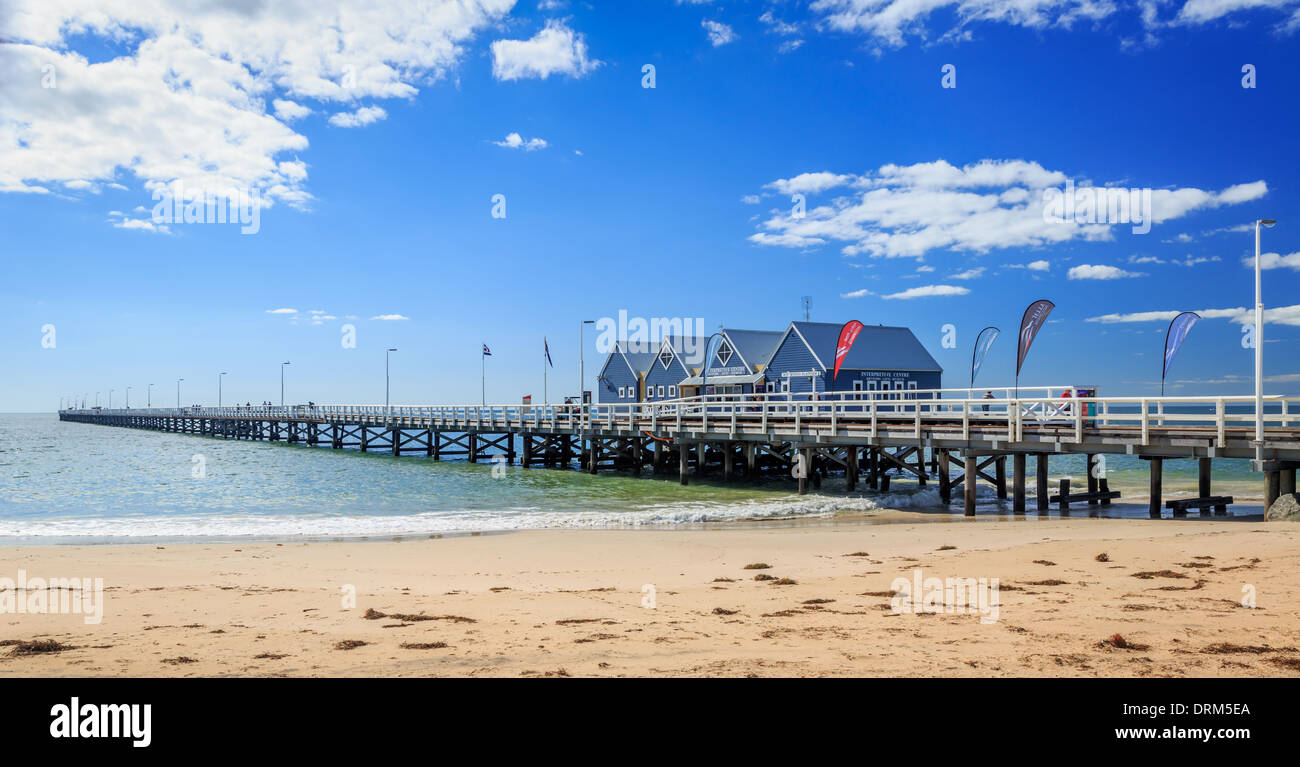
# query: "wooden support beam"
(1286, 485)
(945, 481)
(1204, 470)
(1157, 486)
(1092, 477)
(873, 468)
(1042, 482)
(683, 451)
(970, 481)
(920, 466)
(1018, 483)
(1001, 481)
(1064, 498)
(1272, 488)
(751, 461)
(851, 473)
(728, 460)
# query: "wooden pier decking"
(748, 434)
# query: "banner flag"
(1030, 324)
(1174, 337)
(848, 334)
(982, 343)
(547, 348)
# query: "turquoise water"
(77, 482)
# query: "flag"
(982, 343)
(486, 351)
(547, 348)
(1174, 337)
(1030, 324)
(848, 334)
(710, 350)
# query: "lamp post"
(96, 399)
(387, 353)
(149, 397)
(178, 393)
(282, 365)
(128, 398)
(582, 363)
(219, 377)
(1259, 346)
(110, 398)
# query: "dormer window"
(724, 353)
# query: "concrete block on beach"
(1285, 509)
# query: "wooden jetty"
(852, 433)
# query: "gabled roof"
(678, 344)
(878, 347)
(637, 362)
(755, 347)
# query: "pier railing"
(953, 411)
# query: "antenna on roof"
(807, 306)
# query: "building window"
(622, 392)
(785, 386)
(661, 391)
(724, 353)
(666, 358)
(672, 391)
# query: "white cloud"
(908, 211)
(1274, 261)
(1038, 266)
(186, 90)
(857, 294)
(389, 317)
(515, 141)
(281, 311)
(890, 23)
(142, 225)
(556, 50)
(719, 33)
(1099, 272)
(927, 291)
(751, 199)
(969, 274)
(355, 119)
(1283, 315)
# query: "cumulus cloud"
(556, 50)
(203, 92)
(1099, 272)
(908, 211)
(361, 116)
(891, 23)
(515, 141)
(1274, 261)
(719, 33)
(389, 317)
(1283, 315)
(928, 291)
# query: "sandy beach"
(683, 603)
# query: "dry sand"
(570, 603)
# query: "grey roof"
(755, 347)
(878, 347)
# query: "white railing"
(823, 414)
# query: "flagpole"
(482, 361)
(546, 400)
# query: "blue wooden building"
(677, 359)
(739, 366)
(883, 358)
(622, 377)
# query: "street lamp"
(582, 365)
(178, 393)
(219, 376)
(128, 398)
(96, 399)
(387, 354)
(149, 397)
(110, 398)
(1259, 346)
(282, 364)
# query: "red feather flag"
(848, 334)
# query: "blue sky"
(380, 152)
